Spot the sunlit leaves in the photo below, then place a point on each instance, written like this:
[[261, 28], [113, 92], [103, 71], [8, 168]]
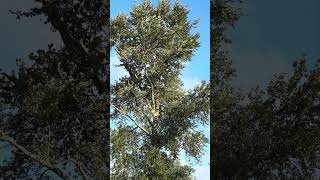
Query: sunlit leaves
[[153, 44]]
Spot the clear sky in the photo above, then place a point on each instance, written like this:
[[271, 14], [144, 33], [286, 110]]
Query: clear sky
[[270, 36], [19, 38], [195, 71]]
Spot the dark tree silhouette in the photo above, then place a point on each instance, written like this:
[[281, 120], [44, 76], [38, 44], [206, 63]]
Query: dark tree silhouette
[[275, 135], [224, 14], [54, 111], [270, 134]]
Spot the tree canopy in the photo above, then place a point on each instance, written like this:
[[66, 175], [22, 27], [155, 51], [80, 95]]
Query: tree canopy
[[155, 118]]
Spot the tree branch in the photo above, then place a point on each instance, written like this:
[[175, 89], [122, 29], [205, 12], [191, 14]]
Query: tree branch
[[155, 104], [69, 41], [35, 157], [141, 117], [124, 113]]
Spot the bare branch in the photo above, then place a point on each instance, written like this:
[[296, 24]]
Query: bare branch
[[124, 113], [35, 157], [140, 116]]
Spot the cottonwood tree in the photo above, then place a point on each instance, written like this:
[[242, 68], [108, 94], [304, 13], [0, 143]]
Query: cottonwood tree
[[155, 118], [54, 111]]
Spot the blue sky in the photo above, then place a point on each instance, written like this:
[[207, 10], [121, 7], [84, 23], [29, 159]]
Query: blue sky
[[196, 70]]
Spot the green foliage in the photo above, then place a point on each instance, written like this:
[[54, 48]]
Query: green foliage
[[153, 44]]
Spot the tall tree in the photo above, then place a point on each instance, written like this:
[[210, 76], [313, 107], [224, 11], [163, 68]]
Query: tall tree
[[155, 117], [55, 110]]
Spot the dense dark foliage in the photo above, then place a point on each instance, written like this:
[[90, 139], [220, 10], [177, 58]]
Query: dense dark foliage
[[266, 134], [55, 109], [275, 134], [223, 14]]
